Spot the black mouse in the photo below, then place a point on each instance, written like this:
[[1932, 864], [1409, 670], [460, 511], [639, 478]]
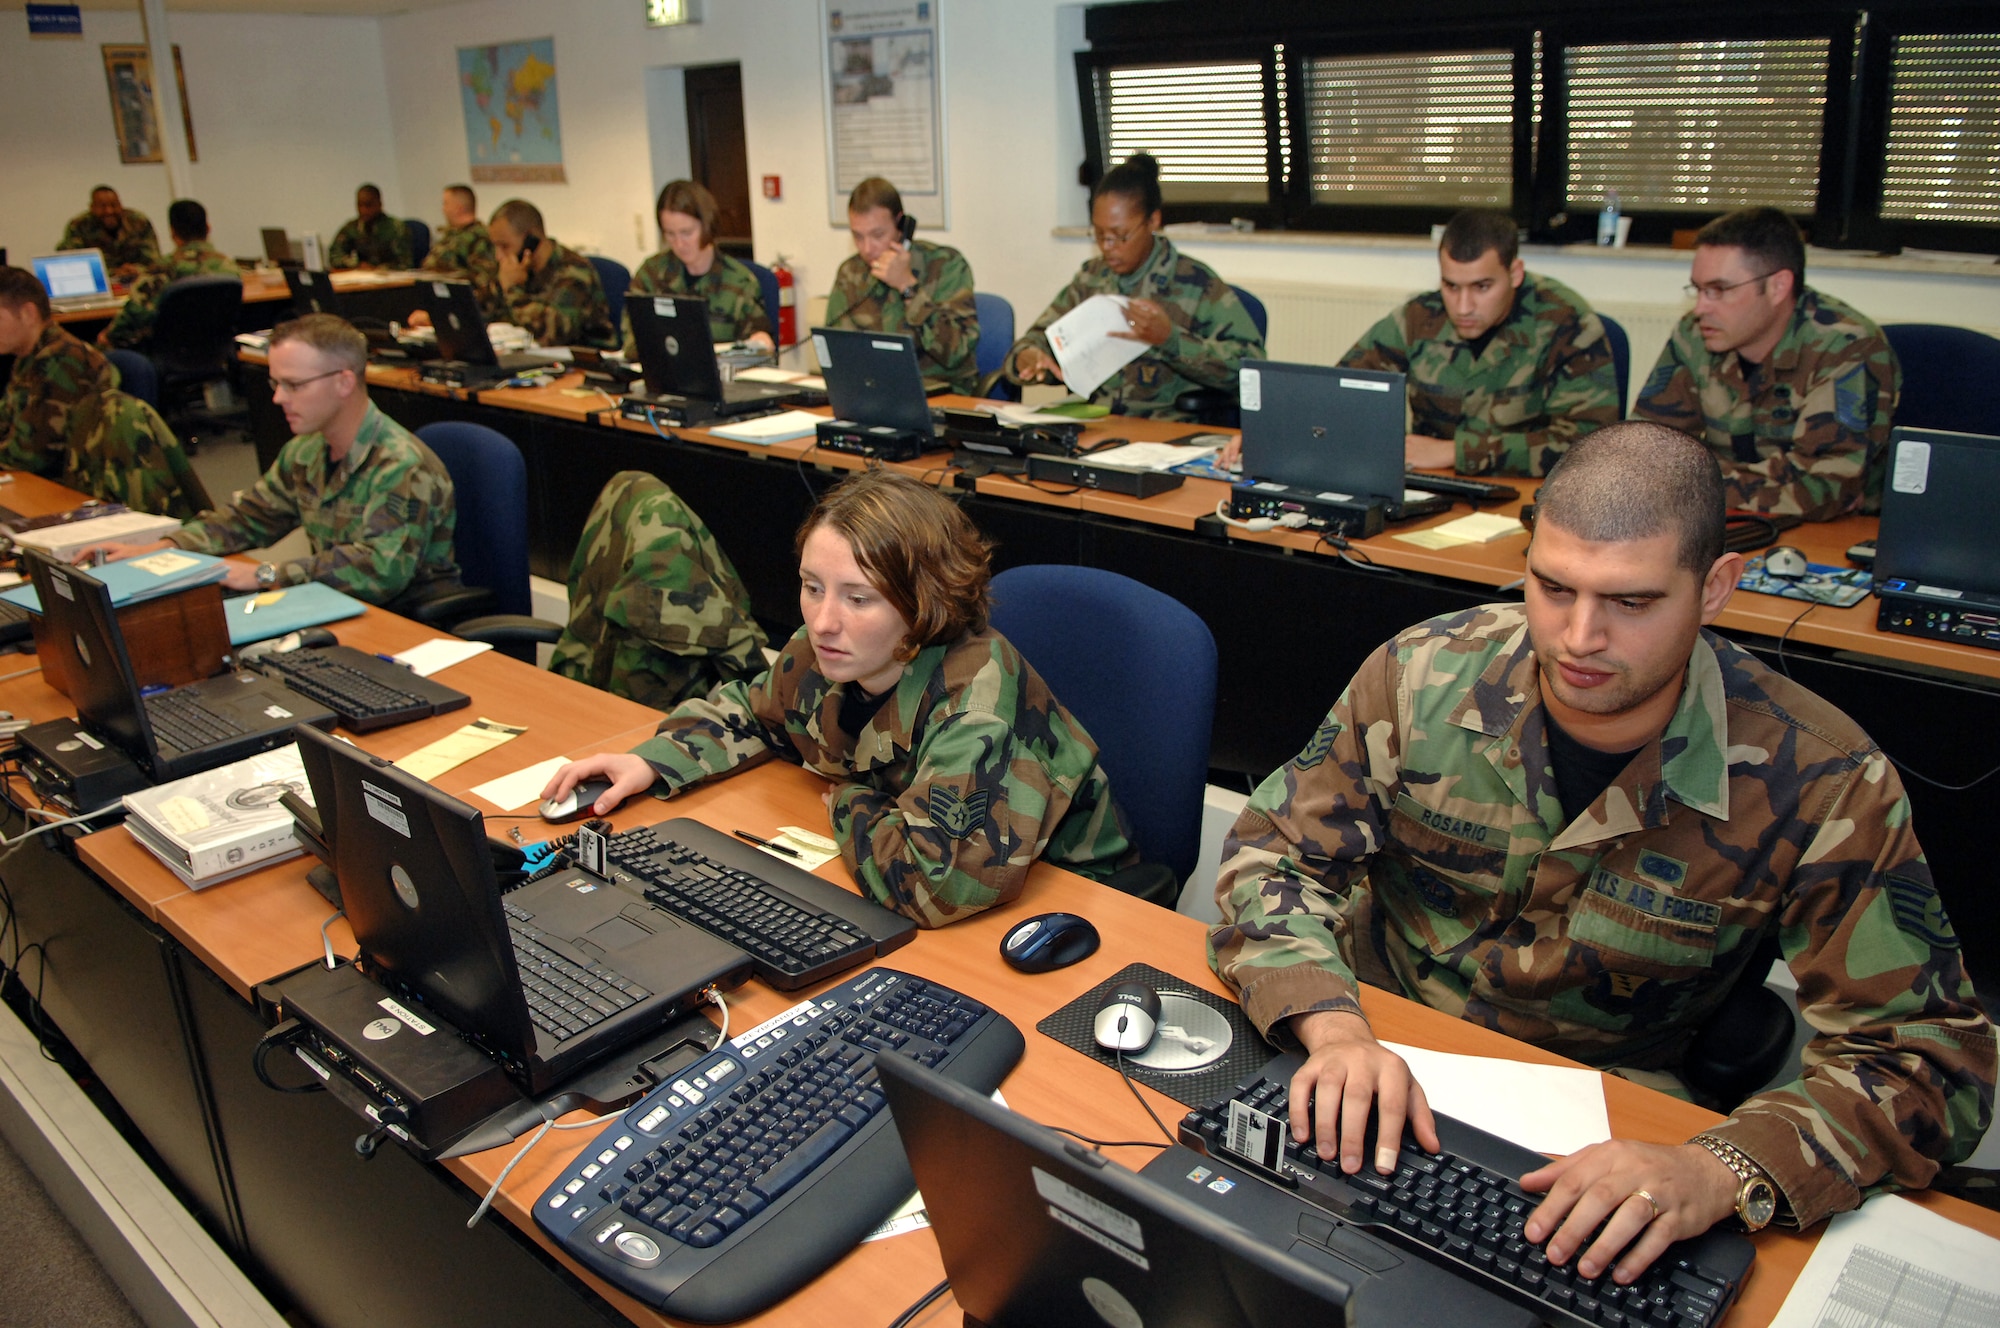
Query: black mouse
[[1049, 941], [312, 638], [1785, 562]]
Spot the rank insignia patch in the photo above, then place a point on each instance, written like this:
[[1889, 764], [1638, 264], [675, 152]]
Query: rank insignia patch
[[957, 816]]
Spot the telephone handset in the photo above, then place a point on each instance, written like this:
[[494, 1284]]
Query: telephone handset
[[906, 226], [528, 246]]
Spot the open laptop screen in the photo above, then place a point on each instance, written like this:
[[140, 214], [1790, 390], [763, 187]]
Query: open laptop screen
[[73, 273], [82, 626], [675, 353], [461, 327]]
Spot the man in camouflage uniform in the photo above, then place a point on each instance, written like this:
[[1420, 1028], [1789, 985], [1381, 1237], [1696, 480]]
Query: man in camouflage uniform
[[549, 288], [373, 238], [193, 256], [124, 234], [463, 248], [1571, 821], [126, 454], [1792, 390], [55, 379], [657, 612], [1505, 369], [909, 286], [375, 503]]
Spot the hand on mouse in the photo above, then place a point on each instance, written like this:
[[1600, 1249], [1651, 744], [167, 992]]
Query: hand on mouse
[[628, 774], [1347, 1071]]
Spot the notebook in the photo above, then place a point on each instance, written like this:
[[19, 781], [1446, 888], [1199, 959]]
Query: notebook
[[287, 609], [461, 330], [1330, 430], [76, 279], [678, 359], [873, 380]]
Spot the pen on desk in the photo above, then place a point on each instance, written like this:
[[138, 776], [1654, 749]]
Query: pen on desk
[[249, 606], [747, 837]]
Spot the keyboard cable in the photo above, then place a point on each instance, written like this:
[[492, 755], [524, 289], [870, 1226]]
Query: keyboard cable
[[923, 1302]]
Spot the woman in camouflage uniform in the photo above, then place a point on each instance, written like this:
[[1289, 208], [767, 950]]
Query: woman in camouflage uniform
[[691, 265], [953, 767]]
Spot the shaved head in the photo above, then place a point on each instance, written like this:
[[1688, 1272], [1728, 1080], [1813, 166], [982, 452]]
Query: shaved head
[[1636, 480]]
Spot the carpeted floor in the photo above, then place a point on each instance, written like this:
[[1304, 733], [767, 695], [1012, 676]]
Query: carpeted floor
[[48, 1276]]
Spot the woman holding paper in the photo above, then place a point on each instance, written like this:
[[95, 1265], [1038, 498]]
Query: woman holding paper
[[1194, 330], [953, 767]]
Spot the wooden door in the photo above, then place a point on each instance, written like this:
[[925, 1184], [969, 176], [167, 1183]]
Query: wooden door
[[717, 148]]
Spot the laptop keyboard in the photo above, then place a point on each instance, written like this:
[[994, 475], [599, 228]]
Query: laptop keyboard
[[180, 721], [564, 997]]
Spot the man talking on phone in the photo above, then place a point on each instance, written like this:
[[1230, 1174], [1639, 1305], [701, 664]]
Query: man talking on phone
[[897, 283], [549, 288]]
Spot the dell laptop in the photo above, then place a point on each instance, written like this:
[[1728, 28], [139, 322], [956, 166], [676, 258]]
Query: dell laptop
[[872, 380], [463, 346], [678, 357], [1937, 563], [279, 248], [313, 293], [1330, 431], [170, 734], [75, 279], [549, 979]]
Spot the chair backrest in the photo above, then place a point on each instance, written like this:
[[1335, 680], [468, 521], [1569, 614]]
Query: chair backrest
[[767, 282], [1255, 307], [126, 454], [1137, 668], [195, 329], [1949, 375], [617, 279], [136, 375], [996, 331], [420, 240], [490, 483], [1621, 360]]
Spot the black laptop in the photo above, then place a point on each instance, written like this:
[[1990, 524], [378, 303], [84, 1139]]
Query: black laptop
[[1937, 563], [313, 293], [173, 733], [1330, 431], [550, 978], [463, 346], [678, 359], [873, 379]]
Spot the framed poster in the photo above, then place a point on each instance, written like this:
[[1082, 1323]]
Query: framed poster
[[884, 103], [513, 129], [128, 72]]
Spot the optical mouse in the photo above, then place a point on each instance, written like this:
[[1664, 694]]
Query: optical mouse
[[577, 802], [1127, 1019], [1785, 562], [312, 638], [1049, 941]]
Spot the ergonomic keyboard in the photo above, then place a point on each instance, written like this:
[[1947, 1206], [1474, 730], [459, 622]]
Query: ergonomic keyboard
[[796, 928], [363, 691], [764, 1162], [564, 997], [1473, 491], [182, 722], [1464, 1209]]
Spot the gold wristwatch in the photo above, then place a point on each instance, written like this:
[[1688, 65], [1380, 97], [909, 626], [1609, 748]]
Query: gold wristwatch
[[1756, 1197]]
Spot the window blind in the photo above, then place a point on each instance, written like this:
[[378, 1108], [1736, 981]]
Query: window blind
[[1412, 129], [1205, 124], [1943, 156]]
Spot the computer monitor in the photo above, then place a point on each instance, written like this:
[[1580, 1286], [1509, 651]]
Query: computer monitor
[[1937, 511], [278, 247], [873, 379], [73, 274], [1328, 429]]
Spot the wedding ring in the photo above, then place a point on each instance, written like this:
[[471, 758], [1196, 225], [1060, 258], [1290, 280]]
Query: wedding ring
[[1651, 1202]]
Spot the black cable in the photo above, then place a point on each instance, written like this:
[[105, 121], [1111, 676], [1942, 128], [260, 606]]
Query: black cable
[[281, 1035], [1140, 1099], [1352, 556], [1786, 636], [923, 1302], [1109, 1143], [1027, 483]]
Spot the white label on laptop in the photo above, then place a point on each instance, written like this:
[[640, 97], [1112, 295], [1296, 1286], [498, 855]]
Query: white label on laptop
[[1097, 1237], [1332, 497], [886, 345], [1365, 384], [1939, 591], [1913, 467], [415, 1024], [1250, 388], [1255, 1136], [61, 583], [85, 738], [441, 290], [383, 812], [1091, 1209], [664, 308], [820, 351]]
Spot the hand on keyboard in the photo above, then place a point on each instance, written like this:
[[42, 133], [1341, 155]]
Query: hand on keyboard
[[1601, 1184], [1346, 1074]]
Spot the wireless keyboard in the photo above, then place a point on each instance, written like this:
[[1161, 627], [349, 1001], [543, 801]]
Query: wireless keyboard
[[1465, 1209], [364, 692], [750, 1174]]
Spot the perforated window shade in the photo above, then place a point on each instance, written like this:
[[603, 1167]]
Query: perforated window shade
[[1204, 123], [1943, 156], [1403, 130], [1697, 125]]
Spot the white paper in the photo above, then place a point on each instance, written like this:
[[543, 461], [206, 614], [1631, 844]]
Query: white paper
[[779, 428], [439, 653], [1149, 456], [1013, 412], [1085, 348], [1914, 1269], [513, 792], [1549, 1108]]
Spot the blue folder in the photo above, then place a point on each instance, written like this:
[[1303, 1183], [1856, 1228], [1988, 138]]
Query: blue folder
[[295, 607]]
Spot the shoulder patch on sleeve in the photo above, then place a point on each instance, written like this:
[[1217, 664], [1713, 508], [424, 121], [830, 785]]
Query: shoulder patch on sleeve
[[958, 816], [1321, 744], [1920, 912], [1850, 399]]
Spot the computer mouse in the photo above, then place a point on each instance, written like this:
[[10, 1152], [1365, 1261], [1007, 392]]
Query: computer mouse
[[577, 802], [1785, 562], [312, 638], [1127, 1019], [1049, 941]]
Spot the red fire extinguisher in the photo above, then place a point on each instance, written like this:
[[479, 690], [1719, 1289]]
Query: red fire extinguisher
[[788, 310]]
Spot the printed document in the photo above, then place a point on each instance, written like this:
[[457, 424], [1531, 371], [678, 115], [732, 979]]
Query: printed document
[[1092, 342]]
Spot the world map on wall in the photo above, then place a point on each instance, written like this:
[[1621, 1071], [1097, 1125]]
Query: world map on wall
[[513, 131]]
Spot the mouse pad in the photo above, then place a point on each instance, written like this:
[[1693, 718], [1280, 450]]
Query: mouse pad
[[1822, 584], [1202, 1013]]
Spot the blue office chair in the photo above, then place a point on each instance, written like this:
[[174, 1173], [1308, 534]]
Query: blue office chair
[[1948, 377], [490, 481], [1255, 308], [1621, 359], [1137, 668], [617, 279], [767, 282], [420, 240], [136, 377], [1213, 406], [996, 331]]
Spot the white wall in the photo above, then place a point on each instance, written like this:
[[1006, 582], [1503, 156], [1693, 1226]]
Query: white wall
[[290, 113]]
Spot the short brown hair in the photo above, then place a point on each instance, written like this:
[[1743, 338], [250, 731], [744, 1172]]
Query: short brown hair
[[464, 194], [18, 286], [1635, 480], [1471, 234], [331, 335], [1769, 237], [875, 192], [523, 217], [917, 547], [690, 199]]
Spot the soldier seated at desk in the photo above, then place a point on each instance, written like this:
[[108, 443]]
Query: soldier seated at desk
[[125, 235], [549, 288], [193, 256], [44, 411], [1571, 821], [691, 265], [894, 282]]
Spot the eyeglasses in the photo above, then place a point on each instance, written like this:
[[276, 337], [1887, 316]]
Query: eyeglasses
[[294, 384], [1715, 290], [1115, 239]]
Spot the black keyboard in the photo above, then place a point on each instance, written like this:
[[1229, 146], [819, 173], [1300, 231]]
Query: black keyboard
[[565, 997], [1473, 491], [181, 722], [721, 1193], [1464, 1209], [796, 928], [364, 692], [16, 623]]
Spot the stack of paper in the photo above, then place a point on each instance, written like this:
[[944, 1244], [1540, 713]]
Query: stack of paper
[[137, 579], [1094, 341], [779, 428], [769, 373], [1479, 528], [63, 542]]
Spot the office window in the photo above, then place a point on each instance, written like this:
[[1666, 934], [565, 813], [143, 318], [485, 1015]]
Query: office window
[[1205, 124], [1943, 157], [1432, 129], [1697, 125]]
